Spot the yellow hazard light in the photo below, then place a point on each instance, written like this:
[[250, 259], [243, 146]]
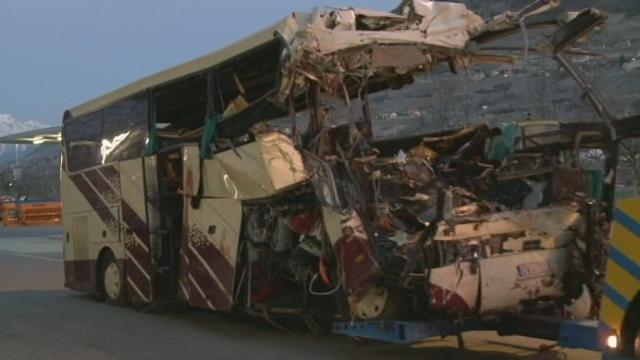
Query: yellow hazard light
[[612, 341]]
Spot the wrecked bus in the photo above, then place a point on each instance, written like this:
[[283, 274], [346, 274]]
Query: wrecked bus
[[250, 178]]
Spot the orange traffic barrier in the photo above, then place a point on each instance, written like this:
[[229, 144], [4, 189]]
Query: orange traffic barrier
[[40, 213], [28, 214], [10, 215]]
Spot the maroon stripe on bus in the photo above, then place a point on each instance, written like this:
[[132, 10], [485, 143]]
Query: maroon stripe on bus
[[103, 187], [135, 223], [219, 299], [215, 294], [111, 174], [133, 296], [218, 263], [195, 297], [139, 254], [183, 276], [138, 278], [79, 275], [129, 216], [94, 199]]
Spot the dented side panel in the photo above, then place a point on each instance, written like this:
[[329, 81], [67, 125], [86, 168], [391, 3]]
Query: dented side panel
[[454, 288], [547, 224], [507, 280], [256, 170]]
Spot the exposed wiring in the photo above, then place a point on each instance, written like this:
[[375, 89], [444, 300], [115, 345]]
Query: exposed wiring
[[331, 292]]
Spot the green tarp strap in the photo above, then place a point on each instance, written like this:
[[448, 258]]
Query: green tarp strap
[[504, 144], [595, 184], [152, 145], [210, 133]]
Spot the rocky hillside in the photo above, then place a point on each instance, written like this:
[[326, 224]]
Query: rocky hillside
[[538, 89]]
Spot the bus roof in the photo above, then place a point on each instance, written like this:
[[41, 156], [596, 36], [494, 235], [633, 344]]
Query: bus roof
[[179, 71]]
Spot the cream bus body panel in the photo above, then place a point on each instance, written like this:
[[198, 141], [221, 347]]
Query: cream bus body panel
[[105, 209], [88, 230], [137, 237], [257, 170]]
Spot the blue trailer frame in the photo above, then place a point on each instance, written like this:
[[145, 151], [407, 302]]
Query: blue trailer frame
[[574, 334]]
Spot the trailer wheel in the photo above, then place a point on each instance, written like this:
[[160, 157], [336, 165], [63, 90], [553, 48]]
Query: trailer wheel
[[380, 303], [113, 282]]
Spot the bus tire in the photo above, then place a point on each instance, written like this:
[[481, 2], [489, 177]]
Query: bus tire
[[630, 335], [113, 281]]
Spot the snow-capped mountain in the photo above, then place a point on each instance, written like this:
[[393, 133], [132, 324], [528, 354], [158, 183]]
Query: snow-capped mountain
[[9, 125]]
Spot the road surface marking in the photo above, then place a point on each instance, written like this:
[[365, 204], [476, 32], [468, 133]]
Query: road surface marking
[[44, 258]]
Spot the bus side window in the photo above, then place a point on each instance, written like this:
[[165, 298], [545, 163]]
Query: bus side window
[[83, 155], [125, 130], [83, 140]]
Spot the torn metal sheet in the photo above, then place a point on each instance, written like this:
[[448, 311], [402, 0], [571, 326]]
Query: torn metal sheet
[[509, 279], [261, 169], [408, 57], [550, 225], [320, 39]]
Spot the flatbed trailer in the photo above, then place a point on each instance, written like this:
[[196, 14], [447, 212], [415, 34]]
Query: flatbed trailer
[[574, 334]]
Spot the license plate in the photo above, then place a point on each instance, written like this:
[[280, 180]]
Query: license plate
[[535, 269]]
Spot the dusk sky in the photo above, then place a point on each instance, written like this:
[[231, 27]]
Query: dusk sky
[[57, 54]]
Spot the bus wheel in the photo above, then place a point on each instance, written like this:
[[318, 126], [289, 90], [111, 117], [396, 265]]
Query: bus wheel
[[113, 284]]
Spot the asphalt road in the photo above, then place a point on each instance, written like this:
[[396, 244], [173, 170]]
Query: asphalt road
[[41, 320]]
